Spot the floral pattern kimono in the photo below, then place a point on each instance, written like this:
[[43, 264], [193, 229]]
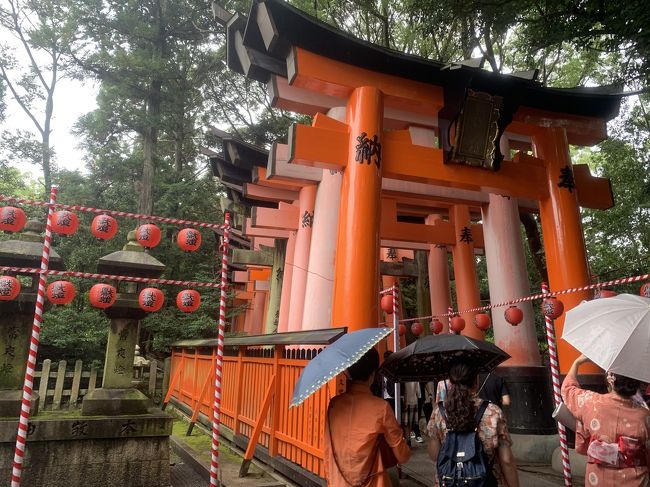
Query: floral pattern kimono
[[614, 432]]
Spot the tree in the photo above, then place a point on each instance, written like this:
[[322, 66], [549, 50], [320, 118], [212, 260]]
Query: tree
[[41, 29]]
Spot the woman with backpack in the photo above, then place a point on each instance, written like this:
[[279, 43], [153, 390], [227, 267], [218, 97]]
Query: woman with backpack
[[469, 439]]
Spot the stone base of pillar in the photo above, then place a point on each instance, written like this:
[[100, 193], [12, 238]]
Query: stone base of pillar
[[77, 451], [538, 449], [114, 402], [10, 402], [531, 400]]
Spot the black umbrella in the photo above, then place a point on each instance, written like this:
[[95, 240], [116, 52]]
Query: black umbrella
[[428, 358]]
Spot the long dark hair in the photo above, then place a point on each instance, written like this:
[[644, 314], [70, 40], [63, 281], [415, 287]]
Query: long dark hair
[[459, 403]]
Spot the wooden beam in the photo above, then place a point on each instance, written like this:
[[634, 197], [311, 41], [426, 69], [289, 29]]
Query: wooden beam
[[580, 130], [284, 218], [256, 275], [279, 168], [260, 176], [252, 231], [398, 269], [593, 191], [318, 147], [240, 276], [265, 193], [252, 257]]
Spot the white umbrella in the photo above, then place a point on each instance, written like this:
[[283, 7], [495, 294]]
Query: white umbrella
[[614, 333]]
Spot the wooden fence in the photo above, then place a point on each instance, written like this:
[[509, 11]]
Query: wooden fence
[[63, 387], [250, 376]]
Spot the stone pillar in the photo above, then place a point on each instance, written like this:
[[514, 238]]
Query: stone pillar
[[566, 257], [439, 278], [275, 286], [301, 257], [117, 396], [467, 290], [317, 312], [17, 316], [356, 274]]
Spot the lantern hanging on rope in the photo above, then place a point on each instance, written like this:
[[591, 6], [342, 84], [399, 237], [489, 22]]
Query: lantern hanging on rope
[[102, 296], [64, 222], [12, 219], [457, 324], [386, 303], [104, 227], [61, 292], [436, 326], [188, 300], [148, 235], [552, 308], [9, 288], [645, 290], [513, 315], [189, 239], [482, 321], [417, 329], [151, 299], [402, 329]]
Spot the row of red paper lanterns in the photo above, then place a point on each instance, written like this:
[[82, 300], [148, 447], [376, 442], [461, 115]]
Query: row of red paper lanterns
[[103, 295], [551, 308], [104, 227]]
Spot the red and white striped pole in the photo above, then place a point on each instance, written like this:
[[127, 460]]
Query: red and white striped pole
[[450, 311], [215, 479], [397, 391], [28, 383], [557, 396]]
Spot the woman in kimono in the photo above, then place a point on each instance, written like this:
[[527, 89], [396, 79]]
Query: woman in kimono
[[615, 430]]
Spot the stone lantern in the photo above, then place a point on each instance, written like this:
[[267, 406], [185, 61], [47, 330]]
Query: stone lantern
[[17, 316], [117, 396]]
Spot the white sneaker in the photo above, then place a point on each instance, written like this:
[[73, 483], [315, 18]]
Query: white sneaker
[[412, 434], [419, 439]]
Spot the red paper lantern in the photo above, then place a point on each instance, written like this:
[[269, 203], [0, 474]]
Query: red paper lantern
[[151, 299], [61, 292], [12, 219], [645, 290], [417, 329], [9, 288], [552, 308], [514, 315], [457, 324], [148, 235], [188, 300], [189, 239], [386, 303], [64, 222], [102, 296], [482, 321], [401, 329], [104, 227], [436, 326]]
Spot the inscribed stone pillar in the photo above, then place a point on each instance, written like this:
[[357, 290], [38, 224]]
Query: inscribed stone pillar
[[467, 290], [566, 257], [508, 279], [317, 312], [120, 350], [275, 286], [356, 274], [17, 316]]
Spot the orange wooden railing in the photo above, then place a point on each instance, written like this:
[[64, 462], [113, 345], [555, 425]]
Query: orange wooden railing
[[295, 434]]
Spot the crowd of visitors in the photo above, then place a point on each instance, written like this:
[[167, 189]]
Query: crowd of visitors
[[465, 413]]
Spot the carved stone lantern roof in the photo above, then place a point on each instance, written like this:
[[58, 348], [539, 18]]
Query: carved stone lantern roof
[[27, 249], [132, 260]]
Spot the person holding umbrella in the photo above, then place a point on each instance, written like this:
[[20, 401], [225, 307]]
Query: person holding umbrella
[[359, 428], [616, 427]]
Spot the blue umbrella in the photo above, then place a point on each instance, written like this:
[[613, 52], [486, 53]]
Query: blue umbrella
[[335, 359]]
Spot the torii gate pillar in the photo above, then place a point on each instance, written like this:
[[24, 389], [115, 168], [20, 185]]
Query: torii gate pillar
[[356, 274], [566, 257], [467, 290], [439, 278]]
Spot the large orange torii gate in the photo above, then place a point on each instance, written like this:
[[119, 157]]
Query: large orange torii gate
[[311, 68]]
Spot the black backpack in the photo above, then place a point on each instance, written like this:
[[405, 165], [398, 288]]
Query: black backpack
[[462, 460]]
